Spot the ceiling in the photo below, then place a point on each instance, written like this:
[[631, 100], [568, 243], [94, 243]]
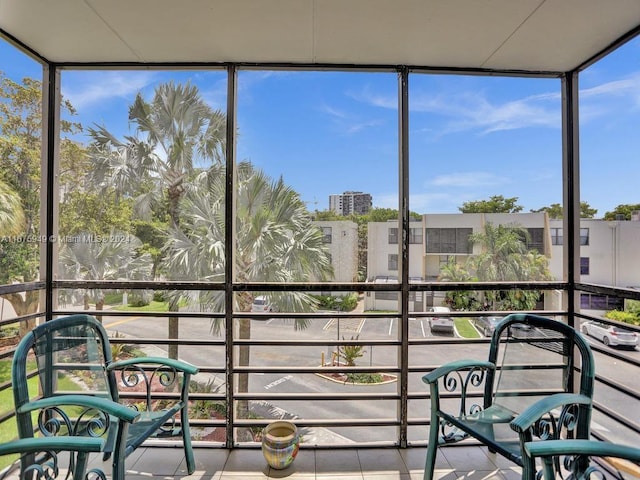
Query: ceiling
[[528, 35]]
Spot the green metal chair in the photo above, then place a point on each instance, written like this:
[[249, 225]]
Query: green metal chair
[[584, 459], [73, 355], [524, 391], [47, 462]]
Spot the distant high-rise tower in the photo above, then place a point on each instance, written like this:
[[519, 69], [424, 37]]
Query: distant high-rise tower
[[350, 202]]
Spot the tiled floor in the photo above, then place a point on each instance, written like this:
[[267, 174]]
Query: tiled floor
[[154, 463]]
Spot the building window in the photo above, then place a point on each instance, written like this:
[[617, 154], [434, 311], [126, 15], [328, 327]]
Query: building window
[[415, 235], [591, 301], [584, 265], [393, 236], [448, 240], [556, 236], [393, 261], [326, 234], [536, 239], [584, 236]]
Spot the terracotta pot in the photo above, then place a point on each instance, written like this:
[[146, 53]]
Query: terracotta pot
[[280, 444]]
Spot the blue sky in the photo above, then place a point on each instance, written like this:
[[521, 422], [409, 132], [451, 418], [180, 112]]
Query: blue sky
[[470, 137]]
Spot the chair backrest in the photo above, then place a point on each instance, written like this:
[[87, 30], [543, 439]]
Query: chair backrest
[[69, 354], [535, 357]]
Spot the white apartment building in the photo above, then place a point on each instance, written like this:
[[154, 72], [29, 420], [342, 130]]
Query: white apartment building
[[432, 243], [609, 255], [609, 252], [341, 238], [350, 202]]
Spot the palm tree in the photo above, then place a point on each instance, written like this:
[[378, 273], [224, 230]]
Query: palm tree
[[458, 299], [12, 220], [505, 258], [275, 241], [176, 133], [89, 257]]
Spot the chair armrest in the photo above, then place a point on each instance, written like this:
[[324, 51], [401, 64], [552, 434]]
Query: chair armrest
[[458, 365], [43, 444], [622, 458], [582, 447], [167, 362], [537, 411], [112, 408]]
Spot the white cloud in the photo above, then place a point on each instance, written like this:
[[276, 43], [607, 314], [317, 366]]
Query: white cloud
[[89, 88], [348, 122], [468, 111], [623, 87]]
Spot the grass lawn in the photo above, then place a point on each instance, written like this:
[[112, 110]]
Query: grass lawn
[[9, 429], [465, 329], [152, 307]]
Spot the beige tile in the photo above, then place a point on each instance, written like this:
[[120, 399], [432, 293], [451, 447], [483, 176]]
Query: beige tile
[[385, 476], [481, 475], [249, 462], [209, 464], [341, 462], [203, 475], [415, 459], [157, 461], [243, 476], [339, 477], [382, 460], [468, 458]]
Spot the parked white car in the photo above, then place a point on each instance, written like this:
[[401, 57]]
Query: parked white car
[[261, 305], [441, 323], [610, 334]]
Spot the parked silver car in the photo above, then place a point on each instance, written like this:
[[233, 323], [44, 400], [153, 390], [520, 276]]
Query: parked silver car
[[486, 325], [441, 323], [610, 334]]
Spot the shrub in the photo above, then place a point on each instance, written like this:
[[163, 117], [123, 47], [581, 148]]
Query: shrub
[[364, 377], [350, 353], [159, 297], [625, 317], [349, 302], [137, 301], [345, 303]]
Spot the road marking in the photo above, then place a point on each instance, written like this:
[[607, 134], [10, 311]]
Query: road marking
[[278, 382], [346, 324], [120, 322]]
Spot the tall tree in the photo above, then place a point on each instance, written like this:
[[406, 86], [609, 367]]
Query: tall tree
[[11, 213], [176, 132], [505, 258], [275, 241], [453, 271], [556, 211], [115, 256], [20, 159], [623, 211], [495, 204]]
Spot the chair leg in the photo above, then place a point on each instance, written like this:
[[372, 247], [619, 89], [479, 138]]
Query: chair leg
[[186, 440], [432, 448], [81, 465]]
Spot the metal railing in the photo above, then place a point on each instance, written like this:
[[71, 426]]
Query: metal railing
[[344, 414]]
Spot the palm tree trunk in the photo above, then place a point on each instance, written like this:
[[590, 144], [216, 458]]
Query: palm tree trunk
[[174, 329], [100, 306], [244, 357]]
